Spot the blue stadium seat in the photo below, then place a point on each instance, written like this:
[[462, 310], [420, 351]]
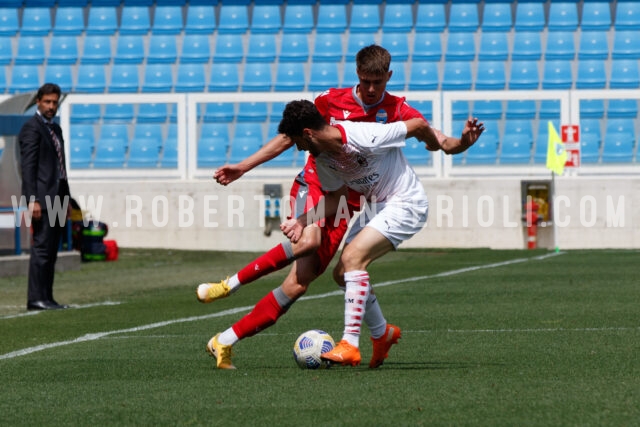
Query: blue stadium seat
[[143, 153], [530, 17], [81, 153], [228, 48], [524, 75], [162, 49], [119, 132], [627, 16], [516, 149], [430, 17], [243, 147], [85, 113], [234, 19], [294, 47], [621, 108], [102, 20], [148, 131], [397, 44], [134, 20], [463, 17], [592, 108], [8, 21], [591, 75], [96, 50], [167, 19], [625, 45], [219, 112], [290, 76], [521, 109], [24, 78], [157, 78], [124, 78], [460, 47], [224, 77], [118, 113], [487, 110], [427, 46], [424, 107], [36, 21], [3, 79], [397, 17], [460, 111], [549, 109], [257, 77], [251, 130], [591, 127], [624, 74], [195, 49], [596, 16], [327, 47], [262, 48], [110, 153], [349, 75], [275, 115], [6, 50], [266, 19], [356, 42], [169, 157], [423, 76], [593, 45], [91, 78], [323, 75], [589, 148], [364, 18], [190, 78], [286, 159], [619, 126], [69, 20], [60, 74], [493, 46], [30, 50], [129, 50], [490, 75], [563, 16], [483, 152], [62, 50], [560, 45], [557, 75], [214, 131], [212, 152], [526, 46], [152, 113], [497, 17], [298, 18], [415, 152], [332, 18], [200, 19], [457, 76], [398, 79], [618, 147], [252, 112]]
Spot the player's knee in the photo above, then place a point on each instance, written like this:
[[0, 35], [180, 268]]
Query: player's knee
[[293, 289]]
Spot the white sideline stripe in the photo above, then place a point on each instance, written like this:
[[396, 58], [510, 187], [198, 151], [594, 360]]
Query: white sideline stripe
[[99, 335], [33, 313]]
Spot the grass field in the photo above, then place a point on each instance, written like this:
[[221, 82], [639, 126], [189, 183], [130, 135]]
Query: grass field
[[493, 338]]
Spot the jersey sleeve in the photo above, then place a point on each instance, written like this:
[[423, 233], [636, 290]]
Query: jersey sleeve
[[375, 136]]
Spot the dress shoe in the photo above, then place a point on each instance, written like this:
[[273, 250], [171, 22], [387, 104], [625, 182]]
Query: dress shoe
[[60, 306], [43, 305]]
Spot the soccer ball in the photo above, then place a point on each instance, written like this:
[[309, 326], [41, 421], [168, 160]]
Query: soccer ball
[[308, 348]]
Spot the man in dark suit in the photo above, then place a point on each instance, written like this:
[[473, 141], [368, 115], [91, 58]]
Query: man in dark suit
[[44, 184]]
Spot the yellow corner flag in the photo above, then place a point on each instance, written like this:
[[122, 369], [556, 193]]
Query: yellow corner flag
[[556, 155]]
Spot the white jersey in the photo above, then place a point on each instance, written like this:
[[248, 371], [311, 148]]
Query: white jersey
[[371, 163]]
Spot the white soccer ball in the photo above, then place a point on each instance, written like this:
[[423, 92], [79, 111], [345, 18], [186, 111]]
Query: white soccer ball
[[309, 346]]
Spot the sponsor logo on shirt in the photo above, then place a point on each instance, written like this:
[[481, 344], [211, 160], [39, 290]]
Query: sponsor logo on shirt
[[346, 113]]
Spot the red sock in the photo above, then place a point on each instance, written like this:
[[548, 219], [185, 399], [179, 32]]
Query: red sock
[[265, 313], [271, 261]]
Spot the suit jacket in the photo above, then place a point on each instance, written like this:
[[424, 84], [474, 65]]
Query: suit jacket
[[39, 161]]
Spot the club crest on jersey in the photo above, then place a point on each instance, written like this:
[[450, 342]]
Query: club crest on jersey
[[381, 116], [362, 161]]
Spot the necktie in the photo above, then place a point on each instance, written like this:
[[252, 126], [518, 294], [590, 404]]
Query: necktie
[[56, 142]]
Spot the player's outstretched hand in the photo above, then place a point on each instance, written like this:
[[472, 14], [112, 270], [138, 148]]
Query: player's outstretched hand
[[471, 132], [292, 229], [227, 174]]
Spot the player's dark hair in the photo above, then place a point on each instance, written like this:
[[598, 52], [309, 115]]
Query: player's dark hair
[[47, 89], [373, 60], [299, 115]]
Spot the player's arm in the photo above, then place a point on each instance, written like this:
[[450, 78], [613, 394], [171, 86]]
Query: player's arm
[[328, 206], [228, 173], [421, 130]]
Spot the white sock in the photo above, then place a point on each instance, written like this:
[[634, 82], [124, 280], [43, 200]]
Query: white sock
[[355, 300], [374, 318], [234, 283], [228, 337]]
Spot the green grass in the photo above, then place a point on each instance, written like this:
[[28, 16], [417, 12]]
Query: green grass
[[550, 341]]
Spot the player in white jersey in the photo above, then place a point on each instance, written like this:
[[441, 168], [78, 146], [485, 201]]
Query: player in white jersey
[[367, 158]]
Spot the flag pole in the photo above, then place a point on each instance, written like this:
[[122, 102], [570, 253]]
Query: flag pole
[[553, 211]]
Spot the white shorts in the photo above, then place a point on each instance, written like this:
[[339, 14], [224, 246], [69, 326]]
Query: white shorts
[[396, 220]]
